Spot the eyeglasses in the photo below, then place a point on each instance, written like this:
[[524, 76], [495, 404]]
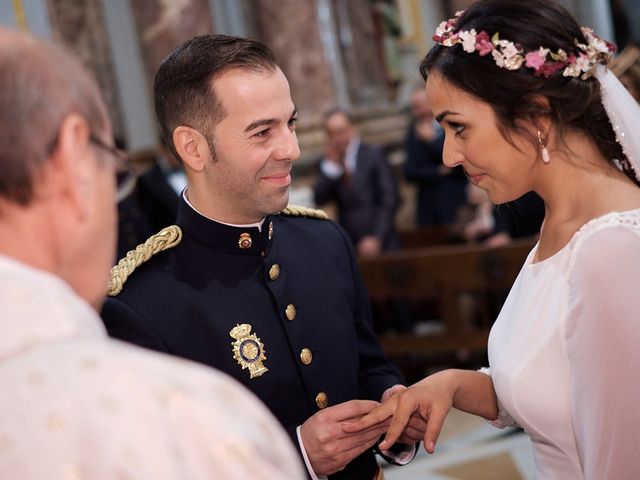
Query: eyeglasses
[[125, 176]]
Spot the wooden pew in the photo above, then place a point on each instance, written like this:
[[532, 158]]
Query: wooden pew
[[443, 273], [425, 237]]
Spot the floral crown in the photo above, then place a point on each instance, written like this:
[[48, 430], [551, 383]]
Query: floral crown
[[543, 61]]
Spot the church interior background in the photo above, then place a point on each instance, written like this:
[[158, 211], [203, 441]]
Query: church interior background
[[359, 55]]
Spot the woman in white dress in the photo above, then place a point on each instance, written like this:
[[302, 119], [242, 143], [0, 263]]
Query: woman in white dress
[[527, 103]]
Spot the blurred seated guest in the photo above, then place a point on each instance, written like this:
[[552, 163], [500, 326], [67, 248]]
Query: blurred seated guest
[[519, 218], [480, 223], [76, 404], [441, 190], [496, 225], [358, 178], [152, 203]]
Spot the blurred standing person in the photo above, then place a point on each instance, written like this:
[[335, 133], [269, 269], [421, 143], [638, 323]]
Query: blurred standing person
[[358, 178], [441, 189], [153, 202], [75, 403]]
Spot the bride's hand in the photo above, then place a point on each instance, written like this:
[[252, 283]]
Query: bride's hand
[[431, 399]]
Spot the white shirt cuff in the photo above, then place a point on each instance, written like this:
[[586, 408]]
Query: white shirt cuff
[[307, 463]]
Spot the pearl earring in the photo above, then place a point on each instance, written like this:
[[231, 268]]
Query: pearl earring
[[543, 149]]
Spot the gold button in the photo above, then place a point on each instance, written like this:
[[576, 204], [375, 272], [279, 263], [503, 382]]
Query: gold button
[[321, 400], [274, 271], [306, 356], [290, 312]]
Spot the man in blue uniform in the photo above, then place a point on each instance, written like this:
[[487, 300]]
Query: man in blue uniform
[[273, 299]]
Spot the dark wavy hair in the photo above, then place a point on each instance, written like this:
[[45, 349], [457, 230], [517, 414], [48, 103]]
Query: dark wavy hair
[[573, 104]]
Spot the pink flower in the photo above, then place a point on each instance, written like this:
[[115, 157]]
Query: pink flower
[[549, 69], [534, 60], [483, 43]]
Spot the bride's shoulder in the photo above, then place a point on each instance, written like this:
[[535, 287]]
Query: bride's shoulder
[[613, 230], [626, 218]]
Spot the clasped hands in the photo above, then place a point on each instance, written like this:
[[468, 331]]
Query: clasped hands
[[338, 434]]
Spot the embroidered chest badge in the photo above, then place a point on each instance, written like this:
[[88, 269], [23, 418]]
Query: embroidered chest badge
[[248, 350]]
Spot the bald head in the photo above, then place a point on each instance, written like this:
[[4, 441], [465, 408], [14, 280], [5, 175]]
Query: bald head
[[40, 84], [340, 130]]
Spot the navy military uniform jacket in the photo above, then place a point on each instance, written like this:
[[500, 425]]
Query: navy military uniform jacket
[[296, 285]]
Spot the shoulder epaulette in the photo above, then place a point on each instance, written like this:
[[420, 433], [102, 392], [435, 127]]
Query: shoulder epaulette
[[298, 211], [166, 238]]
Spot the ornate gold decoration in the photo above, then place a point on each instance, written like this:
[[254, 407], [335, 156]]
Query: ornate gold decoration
[[248, 350], [244, 241], [297, 211], [166, 238], [270, 230]]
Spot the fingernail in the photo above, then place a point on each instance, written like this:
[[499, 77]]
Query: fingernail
[[432, 447]]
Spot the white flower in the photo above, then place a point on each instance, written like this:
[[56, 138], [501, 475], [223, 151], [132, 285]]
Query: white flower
[[514, 62], [595, 42], [508, 48], [468, 40], [571, 71], [442, 29], [543, 53], [583, 63], [498, 57], [600, 45], [561, 56]]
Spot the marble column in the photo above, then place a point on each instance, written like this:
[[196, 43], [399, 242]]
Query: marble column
[[164, 24], [362, 52], [290, 28], [79, 25]]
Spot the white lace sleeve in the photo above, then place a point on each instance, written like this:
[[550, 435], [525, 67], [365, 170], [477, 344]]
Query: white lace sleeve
[[504, 419], [603, 335]]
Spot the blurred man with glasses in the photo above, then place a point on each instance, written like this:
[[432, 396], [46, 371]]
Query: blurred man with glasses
[[76, 404]]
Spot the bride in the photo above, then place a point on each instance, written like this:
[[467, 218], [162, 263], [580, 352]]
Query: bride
[[527, 104]]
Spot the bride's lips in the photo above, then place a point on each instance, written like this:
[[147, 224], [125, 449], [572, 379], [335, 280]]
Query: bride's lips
[[474, 177]]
